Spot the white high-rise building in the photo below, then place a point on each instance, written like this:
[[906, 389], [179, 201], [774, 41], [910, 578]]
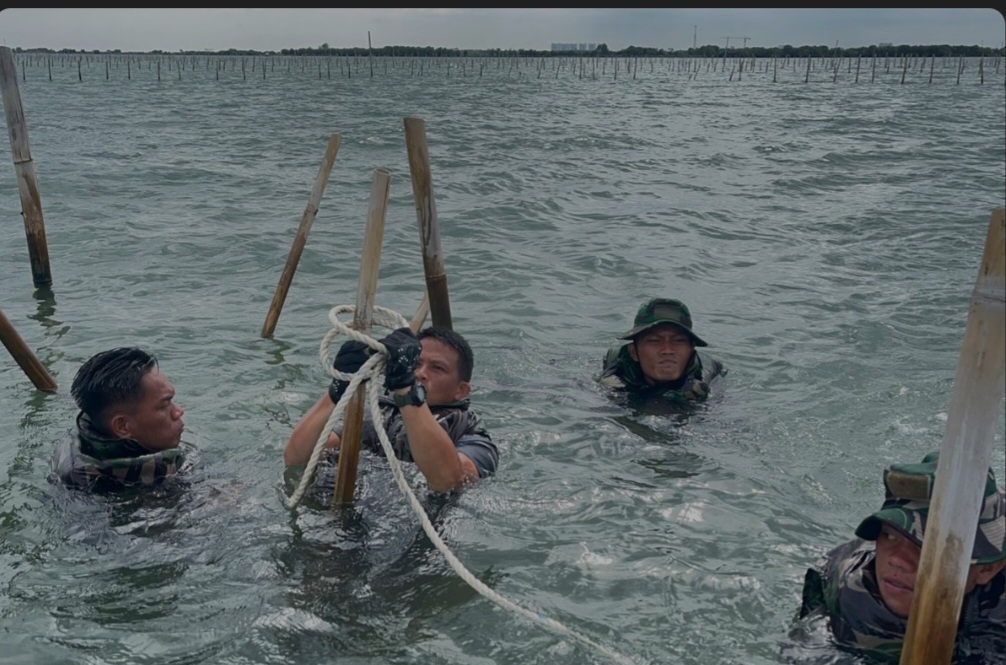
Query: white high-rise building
[[580, 46]]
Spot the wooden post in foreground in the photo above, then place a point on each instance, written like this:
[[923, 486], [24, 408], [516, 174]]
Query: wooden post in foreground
[[299, 240], [370, 263], [31, 201], [964, 461], [23, 355], [426, 212]]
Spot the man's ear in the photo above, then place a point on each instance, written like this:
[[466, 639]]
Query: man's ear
[[464, 389], [987, 571], [632, 351], [118, 426]]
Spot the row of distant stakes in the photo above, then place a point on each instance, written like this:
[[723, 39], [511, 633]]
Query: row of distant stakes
[[167, 67]]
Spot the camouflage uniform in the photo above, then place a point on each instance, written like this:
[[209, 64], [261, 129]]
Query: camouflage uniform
[[843, 586], [86, 459], [621, 372], [463, 425]]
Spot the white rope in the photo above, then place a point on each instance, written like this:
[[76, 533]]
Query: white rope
[[373, 370]]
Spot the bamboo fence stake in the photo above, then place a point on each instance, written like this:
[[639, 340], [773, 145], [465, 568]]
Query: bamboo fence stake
[[426, 213], [964, 461], [422, 311], [31, 200], [23, 355], [370, 263], [299, 240]]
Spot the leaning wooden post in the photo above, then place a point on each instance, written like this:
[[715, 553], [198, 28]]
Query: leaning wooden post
[[299, 240], [23, 355], [426, 212], [422, 311], [370, 263], [964, 461], [31, 201]]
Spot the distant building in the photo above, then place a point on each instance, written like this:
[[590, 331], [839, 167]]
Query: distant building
[[581, 46]]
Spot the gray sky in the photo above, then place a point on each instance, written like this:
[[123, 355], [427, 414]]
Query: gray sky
[[275, 29]]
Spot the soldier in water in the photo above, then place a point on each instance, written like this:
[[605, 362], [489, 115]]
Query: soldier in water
[[865, 587]]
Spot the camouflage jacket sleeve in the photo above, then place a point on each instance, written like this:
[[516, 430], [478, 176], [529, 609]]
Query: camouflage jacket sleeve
[[463, 425]]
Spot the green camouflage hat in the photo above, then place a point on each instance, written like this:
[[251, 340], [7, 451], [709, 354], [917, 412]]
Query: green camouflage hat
[[663, 310], [908, 489]]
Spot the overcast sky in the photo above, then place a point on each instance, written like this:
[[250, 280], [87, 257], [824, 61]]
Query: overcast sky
[[275, 29]]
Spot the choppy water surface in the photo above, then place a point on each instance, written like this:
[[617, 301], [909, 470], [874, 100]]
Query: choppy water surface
[[826, 237]]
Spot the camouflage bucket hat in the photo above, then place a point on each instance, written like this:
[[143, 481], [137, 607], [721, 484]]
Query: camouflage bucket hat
[[655, 311], [908, 489]]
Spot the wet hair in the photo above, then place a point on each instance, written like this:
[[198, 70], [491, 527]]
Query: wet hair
[[466, 359], [110, 378]]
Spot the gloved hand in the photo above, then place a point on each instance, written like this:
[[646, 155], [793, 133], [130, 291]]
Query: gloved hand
[[348, 360], [403, 355]]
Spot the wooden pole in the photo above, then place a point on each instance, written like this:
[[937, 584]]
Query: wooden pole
[[31, 201], [23, 355], [964, 461], [370, 262], [422, 311], [426, 212], [299, 240], [370, 55]]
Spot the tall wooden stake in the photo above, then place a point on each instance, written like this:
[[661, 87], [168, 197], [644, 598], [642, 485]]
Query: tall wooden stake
[[426, 212], [31, 201], [23, 355], [370, 263], [370, 55], [299, 240], [964, 461]]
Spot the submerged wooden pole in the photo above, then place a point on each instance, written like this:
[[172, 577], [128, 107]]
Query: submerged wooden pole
[[23, 355], [299, 240], [31, 201], [426, 212], [964, 461], [366, 286]]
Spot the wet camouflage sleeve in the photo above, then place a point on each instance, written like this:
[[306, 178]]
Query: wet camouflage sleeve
[[462, 425]]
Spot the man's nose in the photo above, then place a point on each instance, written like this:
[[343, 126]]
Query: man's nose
[[906, 555]]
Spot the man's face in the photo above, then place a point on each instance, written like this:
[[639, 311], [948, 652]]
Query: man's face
[[662, 352], [438, 372], [897, 565], [154, 420]]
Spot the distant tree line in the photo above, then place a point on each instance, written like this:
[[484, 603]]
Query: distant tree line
[[707, 51]]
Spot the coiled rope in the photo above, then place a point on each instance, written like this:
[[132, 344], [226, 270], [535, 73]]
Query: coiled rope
[[373, 370]]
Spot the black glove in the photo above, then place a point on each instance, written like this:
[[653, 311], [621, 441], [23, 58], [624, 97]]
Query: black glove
[[349, 360], [403, 355]]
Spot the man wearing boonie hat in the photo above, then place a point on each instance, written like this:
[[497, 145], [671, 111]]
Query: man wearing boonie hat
[[658, 355], [865, 587]]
